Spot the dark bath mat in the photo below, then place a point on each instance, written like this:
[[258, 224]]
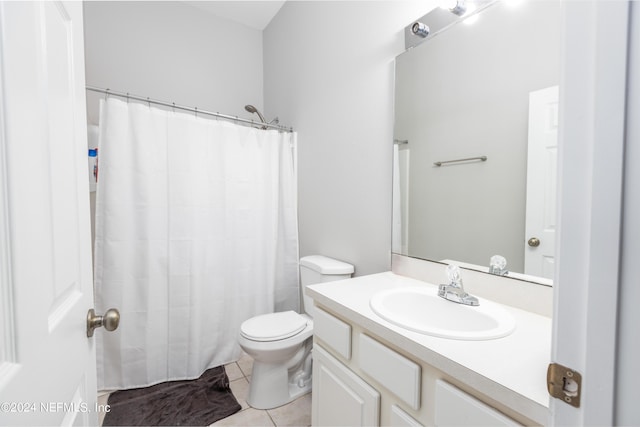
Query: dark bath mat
[[197, 402]]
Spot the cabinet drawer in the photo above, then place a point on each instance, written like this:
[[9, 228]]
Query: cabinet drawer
[[454, 407], [398, 374], [333, 331]]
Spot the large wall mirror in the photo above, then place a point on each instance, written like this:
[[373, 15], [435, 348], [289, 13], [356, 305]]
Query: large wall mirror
[[475, 141]]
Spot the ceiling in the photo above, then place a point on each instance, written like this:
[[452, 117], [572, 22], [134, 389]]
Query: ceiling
[[254, 14]]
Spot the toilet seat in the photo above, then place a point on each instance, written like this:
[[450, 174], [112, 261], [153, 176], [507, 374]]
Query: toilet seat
[[273, 326]]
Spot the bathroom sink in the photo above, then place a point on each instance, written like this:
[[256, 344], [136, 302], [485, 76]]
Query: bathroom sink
[[420, 309]]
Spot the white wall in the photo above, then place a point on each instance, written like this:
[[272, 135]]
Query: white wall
[[328, 70], [173, 52]]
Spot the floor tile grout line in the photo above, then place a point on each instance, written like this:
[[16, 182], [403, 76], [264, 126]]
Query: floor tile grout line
[[271, 418]]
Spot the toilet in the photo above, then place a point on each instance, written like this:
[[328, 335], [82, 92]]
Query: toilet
[[280, 343]]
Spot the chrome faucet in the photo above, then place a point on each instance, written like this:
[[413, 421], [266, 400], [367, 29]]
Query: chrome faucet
[[454, 291]]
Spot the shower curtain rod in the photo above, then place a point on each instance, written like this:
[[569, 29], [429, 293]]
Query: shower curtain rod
[[190, 109]]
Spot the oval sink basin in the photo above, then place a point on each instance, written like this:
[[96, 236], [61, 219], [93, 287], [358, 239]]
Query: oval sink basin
[[420, 309]]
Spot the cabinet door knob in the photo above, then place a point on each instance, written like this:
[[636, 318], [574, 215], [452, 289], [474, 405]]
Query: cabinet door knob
[[534, 242]]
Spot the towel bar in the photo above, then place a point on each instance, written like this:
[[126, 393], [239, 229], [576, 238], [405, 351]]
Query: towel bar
[[481, 158]]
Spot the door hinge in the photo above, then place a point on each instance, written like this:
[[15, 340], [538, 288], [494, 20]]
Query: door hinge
[[564, 383]]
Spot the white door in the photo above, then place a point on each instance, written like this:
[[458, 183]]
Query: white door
[[591, 157], [47, 363], [540, 225]]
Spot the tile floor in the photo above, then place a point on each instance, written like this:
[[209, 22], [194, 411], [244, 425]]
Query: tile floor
[[296, 413]]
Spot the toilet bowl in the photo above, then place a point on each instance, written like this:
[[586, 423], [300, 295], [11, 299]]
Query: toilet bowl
[[281, 371], [281, 343]]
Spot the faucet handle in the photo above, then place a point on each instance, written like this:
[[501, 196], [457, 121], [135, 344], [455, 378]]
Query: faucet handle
[[497, 265], [453, 274]]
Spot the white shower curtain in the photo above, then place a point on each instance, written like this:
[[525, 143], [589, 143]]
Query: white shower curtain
[[396, 199], [196, 231]]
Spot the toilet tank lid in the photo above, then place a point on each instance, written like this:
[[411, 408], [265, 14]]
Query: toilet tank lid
[[326, 265]]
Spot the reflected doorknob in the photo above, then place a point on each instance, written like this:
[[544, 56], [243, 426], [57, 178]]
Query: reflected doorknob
[[534, 242], [110, 320]]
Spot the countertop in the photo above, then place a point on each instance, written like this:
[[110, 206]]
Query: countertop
[[511, 369]]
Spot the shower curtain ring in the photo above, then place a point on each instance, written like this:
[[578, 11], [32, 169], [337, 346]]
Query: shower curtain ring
[[195, 109], [106, 94], [127, 97], [148, 102], [174, 107]]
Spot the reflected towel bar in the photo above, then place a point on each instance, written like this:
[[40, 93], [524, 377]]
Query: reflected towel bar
[[400, 141], [481, 158]]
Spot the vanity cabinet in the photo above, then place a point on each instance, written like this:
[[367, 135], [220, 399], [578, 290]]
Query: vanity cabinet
[[360, 380]]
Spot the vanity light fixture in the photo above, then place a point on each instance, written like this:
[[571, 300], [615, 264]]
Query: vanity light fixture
[[420, 29], [457, 7]]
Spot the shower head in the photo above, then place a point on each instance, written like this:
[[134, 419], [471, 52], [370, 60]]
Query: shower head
[[254, 110]]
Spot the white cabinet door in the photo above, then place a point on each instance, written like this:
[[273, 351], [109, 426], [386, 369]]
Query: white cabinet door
[[340, 397], [47, 363], [400, 418]]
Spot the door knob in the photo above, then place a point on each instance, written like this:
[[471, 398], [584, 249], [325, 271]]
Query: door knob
[[534, 242], [110, 320]]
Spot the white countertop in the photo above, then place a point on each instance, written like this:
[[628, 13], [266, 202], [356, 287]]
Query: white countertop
[[511, 370]]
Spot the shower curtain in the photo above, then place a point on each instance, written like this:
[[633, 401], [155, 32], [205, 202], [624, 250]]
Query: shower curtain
[[396, 199], [196, 231]]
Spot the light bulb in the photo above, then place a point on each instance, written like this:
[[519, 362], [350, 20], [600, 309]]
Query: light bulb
[[448, 4], [457, 7], [470, 16]]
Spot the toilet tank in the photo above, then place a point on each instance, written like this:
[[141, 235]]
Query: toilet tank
[[318, 269]]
